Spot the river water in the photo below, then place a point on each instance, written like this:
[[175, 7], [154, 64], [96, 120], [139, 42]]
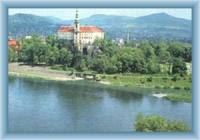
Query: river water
[[47, 106]]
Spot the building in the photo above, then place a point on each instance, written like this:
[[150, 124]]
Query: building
[[14, 44], [80, 36]]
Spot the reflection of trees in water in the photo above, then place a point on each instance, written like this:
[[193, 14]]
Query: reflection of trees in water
[[80, 101], [125, 96], [11, 79]]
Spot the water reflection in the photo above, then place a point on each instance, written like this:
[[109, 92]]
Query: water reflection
[[46, 106]]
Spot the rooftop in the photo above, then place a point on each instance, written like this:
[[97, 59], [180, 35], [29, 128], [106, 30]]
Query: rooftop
[[88, 29]]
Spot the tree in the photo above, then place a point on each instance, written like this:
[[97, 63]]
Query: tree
[[132, 59], [52, 40], [12, 55], [33, 51], [83, 65], [52, 55], [99, 63], [181, 50], [179, 66], [147, 50], [65, 57]]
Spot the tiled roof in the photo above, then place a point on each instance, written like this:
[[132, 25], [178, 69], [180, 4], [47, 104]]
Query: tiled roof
[[66, 29], [88, 29], [12, 42]]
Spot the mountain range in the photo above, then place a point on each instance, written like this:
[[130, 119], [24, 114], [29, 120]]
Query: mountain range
[[153, 26]]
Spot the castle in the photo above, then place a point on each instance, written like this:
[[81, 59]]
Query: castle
[[80, 36]]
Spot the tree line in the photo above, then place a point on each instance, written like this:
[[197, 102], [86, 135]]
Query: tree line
[[105, 56]]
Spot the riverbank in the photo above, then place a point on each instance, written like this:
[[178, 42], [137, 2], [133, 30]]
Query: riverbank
[[173, 88], [43, 72]]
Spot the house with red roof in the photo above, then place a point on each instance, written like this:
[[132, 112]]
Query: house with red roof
[[81, 36], [14, 44]]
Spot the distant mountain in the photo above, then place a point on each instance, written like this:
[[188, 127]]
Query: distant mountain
[[162, 19], [154, 26], [26, 24]]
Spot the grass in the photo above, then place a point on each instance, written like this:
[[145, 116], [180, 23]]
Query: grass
[[158, 81], [179, 88], [184, 97], [150, 81]]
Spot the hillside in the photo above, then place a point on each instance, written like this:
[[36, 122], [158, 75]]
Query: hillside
[[154, 26]]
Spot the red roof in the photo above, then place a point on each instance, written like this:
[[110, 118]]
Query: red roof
[[66, 29], [88, 29], [12, 42]]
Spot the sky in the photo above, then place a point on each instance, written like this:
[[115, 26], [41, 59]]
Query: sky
[[69, 13]]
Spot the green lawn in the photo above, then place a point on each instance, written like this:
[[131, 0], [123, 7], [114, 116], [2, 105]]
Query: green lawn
[[150, 81], [184, 97]]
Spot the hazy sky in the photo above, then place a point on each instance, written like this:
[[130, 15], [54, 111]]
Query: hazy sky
[[69, 13]]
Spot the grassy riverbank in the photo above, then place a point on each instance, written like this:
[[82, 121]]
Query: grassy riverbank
[[177, 88], [184, 97], [151, 81]]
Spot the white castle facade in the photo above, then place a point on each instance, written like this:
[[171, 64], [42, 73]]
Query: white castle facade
[[81, 36]]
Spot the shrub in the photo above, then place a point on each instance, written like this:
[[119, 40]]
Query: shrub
[[174, 78], [190, 79], [149, 79], [142, 81], [155, 123], [177, 87], [158, 87], [164, 78], [115, 77], [187, 88]]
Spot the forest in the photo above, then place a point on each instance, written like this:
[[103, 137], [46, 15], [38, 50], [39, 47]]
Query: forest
[[106, 56]]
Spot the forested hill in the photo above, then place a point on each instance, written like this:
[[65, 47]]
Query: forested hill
[[154, 26]]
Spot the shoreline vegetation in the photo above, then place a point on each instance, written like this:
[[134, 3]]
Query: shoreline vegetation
[[181, 86], [156, 123], [160, 65]]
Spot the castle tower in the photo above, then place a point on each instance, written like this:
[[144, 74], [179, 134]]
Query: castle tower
[[77, 32]]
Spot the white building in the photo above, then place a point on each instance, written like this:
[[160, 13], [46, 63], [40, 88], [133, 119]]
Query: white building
[[80, 35]]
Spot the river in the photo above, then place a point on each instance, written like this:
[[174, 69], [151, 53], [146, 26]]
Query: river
[[49, 106]]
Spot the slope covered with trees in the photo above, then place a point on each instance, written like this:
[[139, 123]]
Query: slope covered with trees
[[151, 27]]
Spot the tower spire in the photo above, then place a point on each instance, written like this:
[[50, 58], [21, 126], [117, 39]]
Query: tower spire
[[76, 32], [76, 14]]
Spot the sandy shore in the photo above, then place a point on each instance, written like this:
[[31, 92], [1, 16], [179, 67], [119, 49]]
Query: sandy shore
[[43, 72]]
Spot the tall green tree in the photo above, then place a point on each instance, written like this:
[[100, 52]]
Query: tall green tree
[[179, 66], [65, 57]]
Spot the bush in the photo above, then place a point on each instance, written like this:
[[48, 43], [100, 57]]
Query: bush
[[115, 77], [158, 87], [187, 88], [190, 79], [175, 78], [164, 78], [149, 79], [166, 87], [142, 81], [155, 123], [177, 87]]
